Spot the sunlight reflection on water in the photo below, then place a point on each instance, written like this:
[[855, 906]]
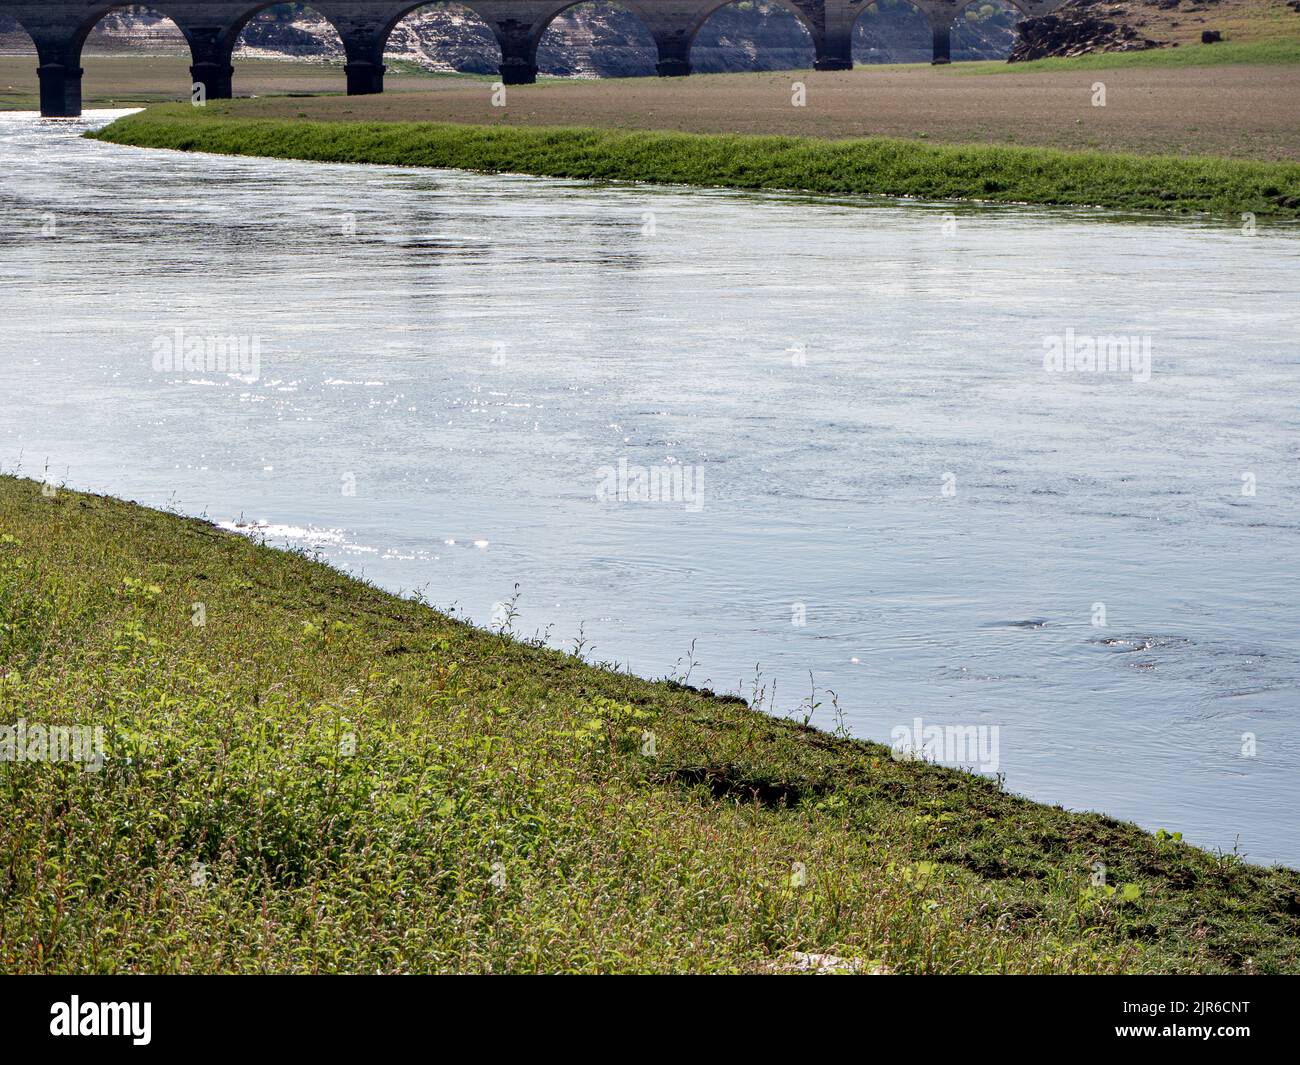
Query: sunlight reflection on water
[[446, 361]]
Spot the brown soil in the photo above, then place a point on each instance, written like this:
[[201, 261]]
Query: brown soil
[[123, 80], [1245, 111]]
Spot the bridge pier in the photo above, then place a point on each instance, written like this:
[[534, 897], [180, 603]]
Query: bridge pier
[[834, 52], [363, 46], [518, 43], [217, 79], [60, 90], [365, 77], [674, 54], [59, 28], [833, 38], [518, 70], [942, 41], [672, 67], [211, 50]]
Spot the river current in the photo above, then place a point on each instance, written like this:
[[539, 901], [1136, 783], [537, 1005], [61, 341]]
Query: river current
[[850, 446]]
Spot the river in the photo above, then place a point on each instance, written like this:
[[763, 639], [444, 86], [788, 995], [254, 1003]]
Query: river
[[860, 468]]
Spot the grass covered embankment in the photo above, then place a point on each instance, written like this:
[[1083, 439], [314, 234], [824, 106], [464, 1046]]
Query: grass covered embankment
[[325, 777], [1279, 51], [880, 166]]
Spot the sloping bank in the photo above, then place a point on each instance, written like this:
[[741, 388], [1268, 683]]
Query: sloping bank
[[1225, 187], [304, 773]]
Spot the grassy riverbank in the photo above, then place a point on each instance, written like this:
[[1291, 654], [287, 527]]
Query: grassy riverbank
[[324, 777], [881, 166]]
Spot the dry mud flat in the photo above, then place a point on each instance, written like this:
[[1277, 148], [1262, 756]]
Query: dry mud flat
[[120, 80], [1248, 111]]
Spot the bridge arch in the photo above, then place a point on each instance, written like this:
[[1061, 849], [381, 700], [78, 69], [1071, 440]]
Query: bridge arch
[[255, 12], [60, 71], [481, 28], [16, 40], [547, 52], [706, 14], [212, 27], [223, 49], [891, 31], [97, 14], [985, 24]]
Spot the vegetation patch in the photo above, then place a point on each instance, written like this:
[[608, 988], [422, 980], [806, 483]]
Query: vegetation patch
[[1272, 51], [871, 166], [302, 773]]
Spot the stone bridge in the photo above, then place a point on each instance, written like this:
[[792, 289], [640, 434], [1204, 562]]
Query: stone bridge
[[212, 27]]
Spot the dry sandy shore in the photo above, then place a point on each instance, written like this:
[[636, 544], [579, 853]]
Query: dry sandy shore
[[1249, 111]]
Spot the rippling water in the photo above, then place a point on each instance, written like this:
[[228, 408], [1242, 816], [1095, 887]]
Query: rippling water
[[446, 362]]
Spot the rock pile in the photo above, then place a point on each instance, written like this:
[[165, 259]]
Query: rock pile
[[1074, 30]]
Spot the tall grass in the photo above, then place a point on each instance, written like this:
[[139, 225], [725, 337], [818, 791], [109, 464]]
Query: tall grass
[[321, 777], [1271, 52], [1225, 187]]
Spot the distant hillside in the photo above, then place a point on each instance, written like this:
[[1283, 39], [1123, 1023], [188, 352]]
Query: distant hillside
[[1083, 26]]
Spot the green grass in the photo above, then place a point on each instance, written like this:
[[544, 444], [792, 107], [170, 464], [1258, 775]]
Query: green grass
[[396, 67], [1274, 51], [324, 777], [889, 167]]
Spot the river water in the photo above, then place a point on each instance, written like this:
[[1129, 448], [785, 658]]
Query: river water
[[860, 467]]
